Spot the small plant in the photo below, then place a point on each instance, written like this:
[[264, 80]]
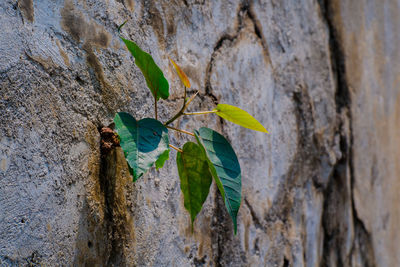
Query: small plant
[[145, 142]]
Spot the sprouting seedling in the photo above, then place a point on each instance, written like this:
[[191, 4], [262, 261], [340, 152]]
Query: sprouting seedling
[[210, 157]]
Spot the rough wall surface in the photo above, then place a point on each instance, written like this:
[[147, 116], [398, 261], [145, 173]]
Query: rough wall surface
[[320, 189], [369, 41]]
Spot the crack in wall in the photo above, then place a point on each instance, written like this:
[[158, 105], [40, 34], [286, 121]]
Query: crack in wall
[[222, 225], [343, 172], [113, 177], [245, 10], [27, 10], [253, 214]]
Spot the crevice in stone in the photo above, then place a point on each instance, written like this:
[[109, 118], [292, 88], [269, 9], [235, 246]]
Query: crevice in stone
[[222, 226], [286, 262], [336, 197], [26, 8], [220, 221], [254, 217], [110, 185], [245, 10], [219, 230], [106, 188], [185, 2], [364, 244], [259, 32], [198, 262], [109, 140], [302, 105], [47, 65], [340, 191]]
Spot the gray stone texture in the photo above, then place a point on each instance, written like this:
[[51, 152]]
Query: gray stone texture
[[320, 190]]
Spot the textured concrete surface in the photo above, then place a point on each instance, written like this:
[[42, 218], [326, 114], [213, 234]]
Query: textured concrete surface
[[320, 190], [371, 66]]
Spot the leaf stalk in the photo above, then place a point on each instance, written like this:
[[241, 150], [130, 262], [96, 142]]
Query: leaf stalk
[[201, 112], [179, 130], [155, 106], [177, 149]]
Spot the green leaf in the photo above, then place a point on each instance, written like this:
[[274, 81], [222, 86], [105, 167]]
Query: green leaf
[[224, 167], [155, 79], [162, 159], [143, 142], [239, 116], [195, 177]]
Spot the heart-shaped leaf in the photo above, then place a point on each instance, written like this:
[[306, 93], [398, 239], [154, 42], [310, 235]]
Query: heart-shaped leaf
[[181, 74], [155, 79], [143, 142], [224, 167], [239, 116], [195, 177]]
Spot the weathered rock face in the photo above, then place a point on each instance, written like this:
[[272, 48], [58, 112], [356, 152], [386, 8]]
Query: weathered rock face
[[369, 43], [320, 189]]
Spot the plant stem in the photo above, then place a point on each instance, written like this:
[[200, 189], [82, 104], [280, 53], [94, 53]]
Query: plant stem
[[179, 130], [183, 108], [177, 115], [201, 112], [155, 106], [177, 149]]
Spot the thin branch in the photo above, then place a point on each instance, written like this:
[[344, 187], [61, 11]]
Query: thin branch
[[180, 112], [177, 115], [190, 100], [177, 149], [179, 130], [201, 112]]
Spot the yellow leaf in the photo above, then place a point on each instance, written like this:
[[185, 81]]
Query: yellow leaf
[[239, 116], [181, 74]]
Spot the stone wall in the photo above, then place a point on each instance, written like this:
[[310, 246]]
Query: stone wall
[[320, 189]]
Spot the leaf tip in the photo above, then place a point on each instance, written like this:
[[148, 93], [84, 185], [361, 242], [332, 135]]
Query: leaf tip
[[181, 74], [234, 225], [264, 130], [192, 224]]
